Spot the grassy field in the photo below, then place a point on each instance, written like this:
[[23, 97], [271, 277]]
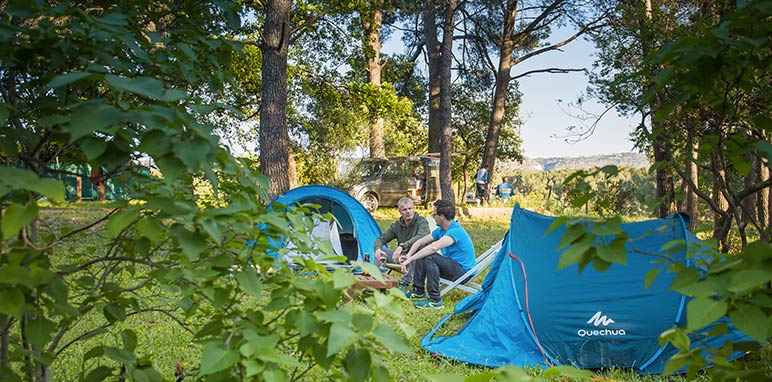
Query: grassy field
[[164, 343]]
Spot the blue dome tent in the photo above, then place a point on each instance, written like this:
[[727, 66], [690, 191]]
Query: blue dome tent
[[356, 227], [530, 313]]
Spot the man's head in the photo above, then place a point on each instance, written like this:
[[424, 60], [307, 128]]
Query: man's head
[[445, 209], [406, 209], [505, 179]]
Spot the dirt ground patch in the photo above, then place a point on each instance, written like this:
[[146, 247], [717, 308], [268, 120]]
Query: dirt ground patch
[[486, 212]]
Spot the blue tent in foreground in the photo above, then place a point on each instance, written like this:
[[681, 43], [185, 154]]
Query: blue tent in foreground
[[356, 227], [529, 313]]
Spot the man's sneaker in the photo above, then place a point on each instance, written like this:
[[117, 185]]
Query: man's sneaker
[[404, 287], [415, 296], [428, 304]]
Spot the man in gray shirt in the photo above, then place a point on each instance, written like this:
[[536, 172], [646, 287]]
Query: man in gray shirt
[[407, 230]]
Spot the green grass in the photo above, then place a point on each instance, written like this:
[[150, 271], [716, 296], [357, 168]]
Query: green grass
[[164, 343]]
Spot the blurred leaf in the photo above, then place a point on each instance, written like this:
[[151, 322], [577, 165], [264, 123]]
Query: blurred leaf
[[751, 321], [250, 283], [703, 311], [93, 147], [677, 362], [559, 222], [129, 339], [192, 243], [677, 337], [216, 358], [144, 86], [39, 331], [150, 227], [358, 364], [192, 152], [114, 313], [573, 233], [92, 117], [170, 167], [390, 339], [342, 279], [17, 216], [99, 374], [15, 179], [573, 254], [339, 338], [68, 78], [210, 226], [120, 355], [614, 252], [119, 221], [568, 371], [747, 279], [582, 199], [651, 276]]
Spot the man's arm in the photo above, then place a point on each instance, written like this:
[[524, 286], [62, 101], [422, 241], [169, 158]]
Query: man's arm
[[418, 244], [437, 245]]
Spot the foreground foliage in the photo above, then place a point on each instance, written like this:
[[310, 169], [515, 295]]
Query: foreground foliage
[[109, 83]]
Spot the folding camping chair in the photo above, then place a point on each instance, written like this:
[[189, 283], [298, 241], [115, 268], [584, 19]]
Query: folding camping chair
[[483, 261]]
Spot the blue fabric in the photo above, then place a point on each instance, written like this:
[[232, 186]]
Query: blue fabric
[[462, 249], [352, 217], [529, 312]]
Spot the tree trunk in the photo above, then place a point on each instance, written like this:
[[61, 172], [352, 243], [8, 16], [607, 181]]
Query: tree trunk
[[446, 59], [722, 220], [435, 75], [693, 178], [748, 203], [371, 25], [274, 137], [762, 202], [501, 91], [5, 332], [664, 175]]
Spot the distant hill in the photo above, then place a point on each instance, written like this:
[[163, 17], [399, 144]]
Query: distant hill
[[635, 160]]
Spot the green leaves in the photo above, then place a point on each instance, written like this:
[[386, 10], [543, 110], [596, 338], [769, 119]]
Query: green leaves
[[68, 78], [703, 311], [15, 217], [249, 282], [14, 179], [390, 339], [217, 357], [752, 321], [13, 302], [39, 331], [340, 337], [145, 86], [93, 116], [119, 221]]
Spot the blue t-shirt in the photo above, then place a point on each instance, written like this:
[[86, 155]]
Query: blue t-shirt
[[504, 190], [462, 250]]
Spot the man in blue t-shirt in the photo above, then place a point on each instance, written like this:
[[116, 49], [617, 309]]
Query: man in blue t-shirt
[[456, 259], [504, 190]]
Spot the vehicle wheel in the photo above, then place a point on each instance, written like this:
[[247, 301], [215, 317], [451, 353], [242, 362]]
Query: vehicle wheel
[[370, 201]]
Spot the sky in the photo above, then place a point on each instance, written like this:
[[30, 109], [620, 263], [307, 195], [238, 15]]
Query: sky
[[545, 119], [545, 122]]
